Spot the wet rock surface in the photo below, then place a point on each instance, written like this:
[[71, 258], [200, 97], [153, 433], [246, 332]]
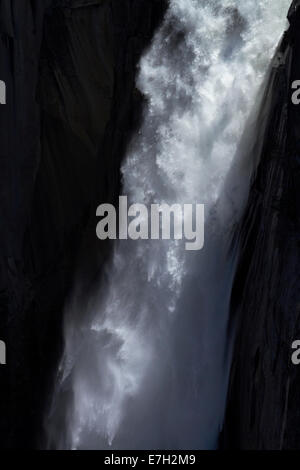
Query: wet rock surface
[[263, 397]]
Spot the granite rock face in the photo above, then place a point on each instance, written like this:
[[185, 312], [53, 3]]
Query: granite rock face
[[263, 398], [72, 105]]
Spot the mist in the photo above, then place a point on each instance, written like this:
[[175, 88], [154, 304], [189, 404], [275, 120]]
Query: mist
[[147, 364]]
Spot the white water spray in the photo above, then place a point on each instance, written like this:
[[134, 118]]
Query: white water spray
[[146, 364]]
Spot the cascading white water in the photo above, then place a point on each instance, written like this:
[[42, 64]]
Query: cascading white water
[[146, 365]]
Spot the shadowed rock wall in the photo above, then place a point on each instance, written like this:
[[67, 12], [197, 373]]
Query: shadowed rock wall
[[263, 399], [71, 107]]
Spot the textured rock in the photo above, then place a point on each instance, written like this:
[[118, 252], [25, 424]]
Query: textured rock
[[263, 399], [70, 70]]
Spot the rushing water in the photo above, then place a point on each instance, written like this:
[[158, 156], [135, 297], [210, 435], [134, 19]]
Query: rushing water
[[147, 365]]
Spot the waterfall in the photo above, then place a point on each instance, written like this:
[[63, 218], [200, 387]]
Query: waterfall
[[146, 366]]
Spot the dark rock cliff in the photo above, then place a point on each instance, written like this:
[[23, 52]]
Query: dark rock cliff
[[70, 68], [263, 398]]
